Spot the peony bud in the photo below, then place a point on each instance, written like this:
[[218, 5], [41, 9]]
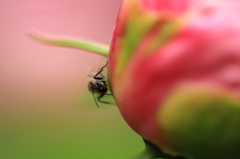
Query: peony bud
[[174, 69]]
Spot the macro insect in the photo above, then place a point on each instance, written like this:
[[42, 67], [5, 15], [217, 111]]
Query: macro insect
[[98, 85]]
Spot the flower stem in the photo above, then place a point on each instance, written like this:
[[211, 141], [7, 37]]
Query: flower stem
[[152, 152], [90, 46]]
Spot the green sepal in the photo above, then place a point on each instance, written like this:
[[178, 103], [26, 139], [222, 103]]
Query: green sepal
[[143, 31], [135, 28], [203, 121]]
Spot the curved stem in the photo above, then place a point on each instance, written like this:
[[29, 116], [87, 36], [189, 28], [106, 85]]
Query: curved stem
[[90, 46]]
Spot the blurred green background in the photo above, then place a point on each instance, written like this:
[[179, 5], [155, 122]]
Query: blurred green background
[[46, 110], [57, 129]]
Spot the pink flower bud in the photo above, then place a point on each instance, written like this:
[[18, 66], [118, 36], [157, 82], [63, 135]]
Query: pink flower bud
[[175, 74]]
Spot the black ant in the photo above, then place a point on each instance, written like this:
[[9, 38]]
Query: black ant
[[98, 85]]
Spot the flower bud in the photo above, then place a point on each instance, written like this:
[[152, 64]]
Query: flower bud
[[174, 69]]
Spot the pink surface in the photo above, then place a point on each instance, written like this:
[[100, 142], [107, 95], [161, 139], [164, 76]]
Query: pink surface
[[30, 70]]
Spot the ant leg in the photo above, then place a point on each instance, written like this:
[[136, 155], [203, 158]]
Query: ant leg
[[90, 72], [95, 99], [99, 72], [106, 102], [108, 94], [92, 91]]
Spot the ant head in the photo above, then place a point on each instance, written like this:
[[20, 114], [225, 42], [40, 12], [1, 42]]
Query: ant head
[[97, 86]]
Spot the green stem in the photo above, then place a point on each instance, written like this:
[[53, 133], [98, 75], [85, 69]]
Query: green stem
[[152, 152], [146, 154], [90, 46]]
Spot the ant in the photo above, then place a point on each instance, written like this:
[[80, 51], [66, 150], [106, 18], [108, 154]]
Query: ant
[[98, 85]]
